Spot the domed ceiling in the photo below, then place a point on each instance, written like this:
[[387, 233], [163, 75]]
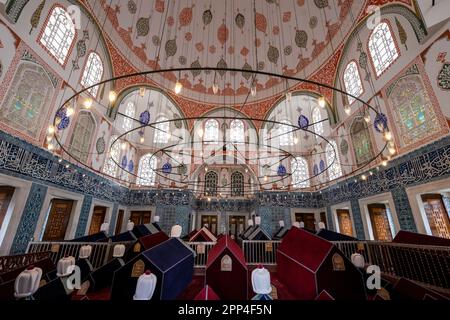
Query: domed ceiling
[[277, 36]]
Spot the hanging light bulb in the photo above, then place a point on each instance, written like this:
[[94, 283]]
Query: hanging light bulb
[[388, 136], [124, 145], [384, 163], [142, 139], [200, 132], [51, 130], [206, 169], [215, 88], [295, 140], [322, 102], [112, 96], [178, 87], [69, 111], [391, 151], [266, 178], [59, 160], [253, 90], [367, 118], [67, 166], [347, 109], [209, 199], [50, 147], [142, 91], [87, 103], [363, 177], [49, 139]]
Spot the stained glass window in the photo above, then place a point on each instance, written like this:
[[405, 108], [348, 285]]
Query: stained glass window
[[26, 103], [130, 111], [58, 34], [146, 171], [237, 131], [211, 131], [285, 133], [352, 81], [237, 184], [317, 119], [162, 128], [80, 143], [93, 73], [300, 173], [362, 145], [413, 110], [110, 167], [334, 171], [211, 180], [382, 48]]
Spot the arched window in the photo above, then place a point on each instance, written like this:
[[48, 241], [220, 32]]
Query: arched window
[[300, 173], [317, 119], [113, 157], [352, 81], [382, 48], [147, 170], [211, 131], [285, 133], [211, 179], [237, 184], [28, 99], [361, 141], [237, 131], [93, 73], [80, 143], [130, 111], [58, 34], [162, 128], [332, 155]]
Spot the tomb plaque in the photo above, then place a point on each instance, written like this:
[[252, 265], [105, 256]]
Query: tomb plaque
[[269, 247], [137, 247], [201, 249], [226, 264], [138, 269], [84, 288], [54, 248]]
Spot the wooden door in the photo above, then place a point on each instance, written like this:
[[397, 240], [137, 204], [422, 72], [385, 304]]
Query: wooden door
[[6, 194], [437, 215], [236, 225], [323, 218], [345, 222], [58, 219], [119, 221], [380, 222], [140, 217], [307, 218], [210, 221], [98, 217]]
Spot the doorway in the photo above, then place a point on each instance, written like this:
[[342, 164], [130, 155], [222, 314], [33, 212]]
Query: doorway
[[119, 221], [236, 225], [98, 217], [323, 218], [58, 219], [140, 217], [345, 222], [210, 221], [437, 215], [6, 194], [307, 219], [380, 222]]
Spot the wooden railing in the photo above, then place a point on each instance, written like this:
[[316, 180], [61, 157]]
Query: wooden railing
[[10, 263], [260, 252], [101, 251], [202, 250]]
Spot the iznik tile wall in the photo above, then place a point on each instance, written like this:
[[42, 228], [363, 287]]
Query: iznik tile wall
[[357, 219], [29, 219], [112, 221], [84, 216], [403, 209]]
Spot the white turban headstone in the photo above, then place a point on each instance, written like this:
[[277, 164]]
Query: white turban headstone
[[119, 251], [301, 224], [250, 222], [27, 282], [130, 225], [176, 231], [145, 286], [358, 260], [261, 281], [105, 227], [281, 222], [62, 268], [257, 220], [156, 219], [321, 225], [296, 224], [85, 252]]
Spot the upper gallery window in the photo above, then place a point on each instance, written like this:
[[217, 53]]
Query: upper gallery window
[[147, 170], [285, 133], [317, 120], [93, 73], [333, 160], [130, 111], [162, 128], [237, 131], [382, 47], [352, 81], [110, 166], [300, 173], [58, 34], [211, 131]]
